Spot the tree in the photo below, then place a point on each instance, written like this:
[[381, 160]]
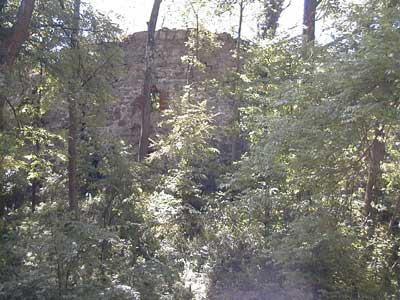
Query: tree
[[310, 9], [73, 114], [311, 210], [148, 82], [236, 149], [11, 40], [376, 154]]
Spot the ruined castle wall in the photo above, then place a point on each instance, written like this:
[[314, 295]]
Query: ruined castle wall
[[171, 76]]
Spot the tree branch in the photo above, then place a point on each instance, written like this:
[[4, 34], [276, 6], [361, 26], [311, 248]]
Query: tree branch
[[14, 112], [10, 46]]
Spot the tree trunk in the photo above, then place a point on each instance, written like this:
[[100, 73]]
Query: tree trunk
[[34, 195], [2, 105], [72, 156], [376, 155], [236, 114], [35, 184], [310, 10], [148, 82], [10, 45], [37, 123], [193, 52], [73, 117]]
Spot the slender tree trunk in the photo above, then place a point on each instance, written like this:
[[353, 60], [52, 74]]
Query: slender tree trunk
[[148, 82], [194, 56], [376, 155], [72, 156], [2, 105], [34, 196], [236, 105], [239, 38], [194, 53], [73, 117], [37, 123], [35, 184], [310, 10]]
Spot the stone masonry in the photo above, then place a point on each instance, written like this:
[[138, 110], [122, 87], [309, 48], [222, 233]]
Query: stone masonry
[[171, 76]]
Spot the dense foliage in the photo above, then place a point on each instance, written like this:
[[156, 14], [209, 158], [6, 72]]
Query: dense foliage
[[309, 210]]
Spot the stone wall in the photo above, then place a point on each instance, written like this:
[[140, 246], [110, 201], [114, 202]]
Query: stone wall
[[171, 76]]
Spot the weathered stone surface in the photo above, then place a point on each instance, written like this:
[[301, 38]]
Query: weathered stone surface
[[171, 75]]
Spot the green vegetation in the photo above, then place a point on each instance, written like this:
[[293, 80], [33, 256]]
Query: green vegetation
[[297, 198]]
